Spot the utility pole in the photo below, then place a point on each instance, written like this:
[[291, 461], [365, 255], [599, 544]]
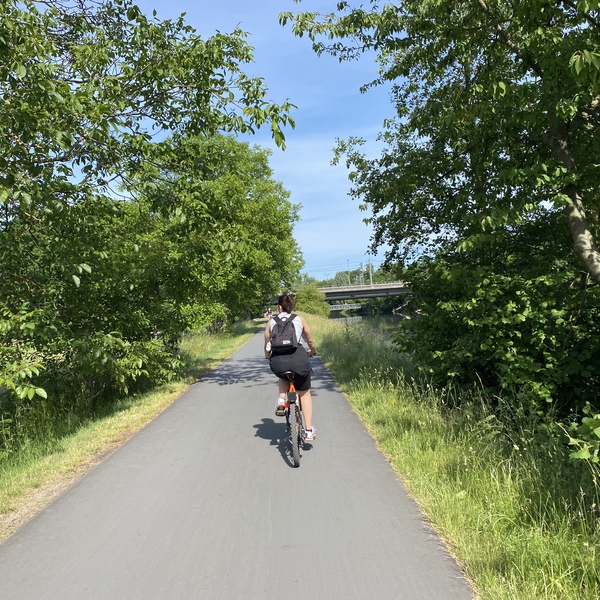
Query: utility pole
[[370, 273]]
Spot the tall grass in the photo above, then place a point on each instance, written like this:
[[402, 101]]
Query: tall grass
[[497, 484]]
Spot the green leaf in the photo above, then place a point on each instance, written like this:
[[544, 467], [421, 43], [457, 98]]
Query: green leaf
[[582, 454], [20, 71]]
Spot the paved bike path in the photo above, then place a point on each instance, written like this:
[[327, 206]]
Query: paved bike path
[[204, 503]]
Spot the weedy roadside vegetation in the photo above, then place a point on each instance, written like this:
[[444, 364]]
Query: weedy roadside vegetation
[[59, 452], [498, 485]]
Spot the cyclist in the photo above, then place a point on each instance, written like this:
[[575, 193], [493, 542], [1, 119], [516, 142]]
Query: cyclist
[[298, 362]]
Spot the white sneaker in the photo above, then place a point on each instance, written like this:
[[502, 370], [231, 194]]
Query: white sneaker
[[280, 410], [311, 434]]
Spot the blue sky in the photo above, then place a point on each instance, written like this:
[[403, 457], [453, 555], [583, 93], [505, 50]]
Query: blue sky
[[331, 232]]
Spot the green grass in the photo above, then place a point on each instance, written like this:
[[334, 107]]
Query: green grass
[[43, 463], [519, 516]]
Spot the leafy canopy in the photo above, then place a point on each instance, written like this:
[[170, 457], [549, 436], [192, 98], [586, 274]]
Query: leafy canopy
[[497, 118], [128, 213], [487, 184]]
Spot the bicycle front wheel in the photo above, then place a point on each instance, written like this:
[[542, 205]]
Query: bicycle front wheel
[[296, 434]]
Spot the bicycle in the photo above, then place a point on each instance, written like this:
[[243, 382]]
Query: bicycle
[[294, 418]]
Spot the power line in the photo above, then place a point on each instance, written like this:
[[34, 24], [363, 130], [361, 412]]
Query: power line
[[330, 270]]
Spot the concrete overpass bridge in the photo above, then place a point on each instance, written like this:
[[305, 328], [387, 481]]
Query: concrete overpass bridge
[[375, 290]]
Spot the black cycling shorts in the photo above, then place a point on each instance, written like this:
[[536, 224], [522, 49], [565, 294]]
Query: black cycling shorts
[[298, 363]]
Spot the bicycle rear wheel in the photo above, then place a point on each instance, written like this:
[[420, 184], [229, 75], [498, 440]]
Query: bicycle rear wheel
[[295, 433]]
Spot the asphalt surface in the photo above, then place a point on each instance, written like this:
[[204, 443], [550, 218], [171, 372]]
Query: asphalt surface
[[204, 503]]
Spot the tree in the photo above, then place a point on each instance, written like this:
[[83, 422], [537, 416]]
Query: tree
[[488, 183], [498, 109], [304, 279], [94, 270], [233, 221], [512, 322], [309, 299]]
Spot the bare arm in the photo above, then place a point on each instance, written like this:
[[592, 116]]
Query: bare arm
[[267, 339], [307, 335]]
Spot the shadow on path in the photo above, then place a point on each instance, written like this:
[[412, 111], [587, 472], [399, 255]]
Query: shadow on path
[[248, 372], [277, 435]]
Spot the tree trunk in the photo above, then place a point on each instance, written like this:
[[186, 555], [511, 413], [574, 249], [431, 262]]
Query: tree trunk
[[584, 245], [583, 240]]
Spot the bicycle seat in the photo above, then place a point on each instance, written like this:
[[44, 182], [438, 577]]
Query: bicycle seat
[[290, 375]]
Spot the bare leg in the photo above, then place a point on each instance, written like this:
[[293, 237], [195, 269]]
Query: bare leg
[[307, 407], [284, 386]]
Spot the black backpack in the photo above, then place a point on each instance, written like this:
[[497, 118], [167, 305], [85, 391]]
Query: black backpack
[[283, 336]]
